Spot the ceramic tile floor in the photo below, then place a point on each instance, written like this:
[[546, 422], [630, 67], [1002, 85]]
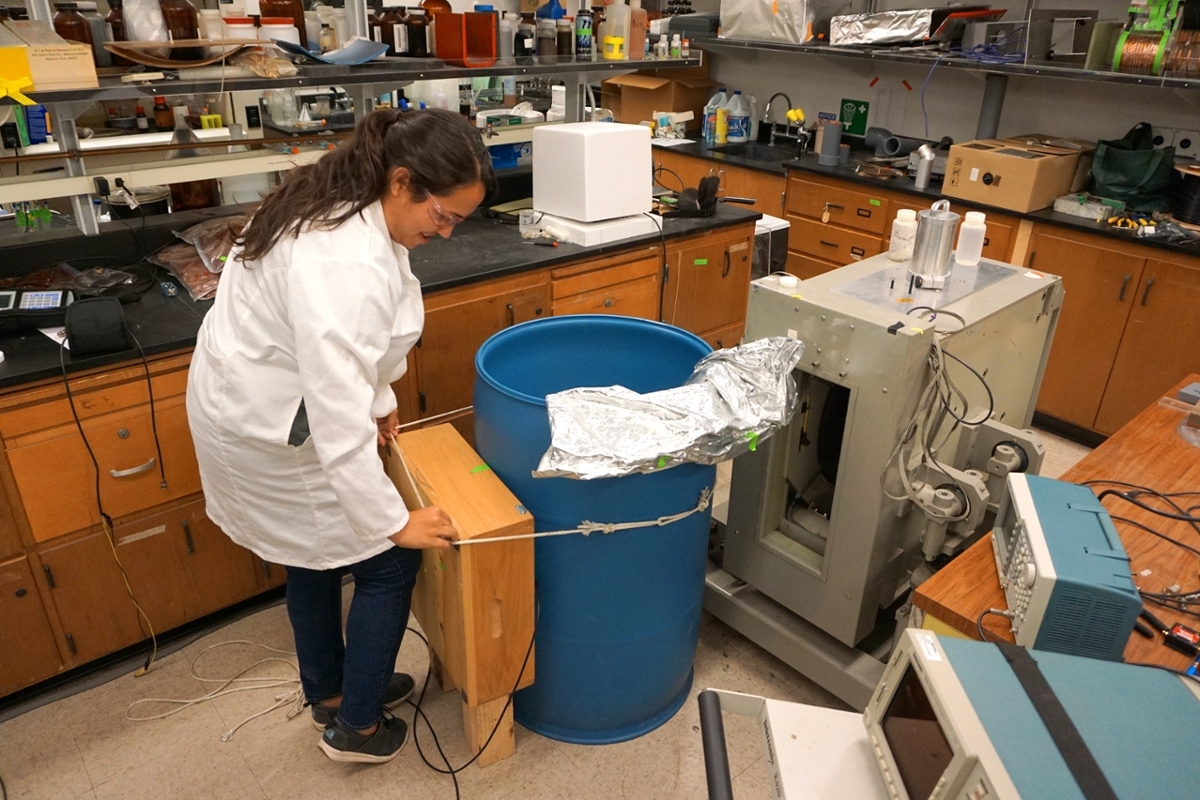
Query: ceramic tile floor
[[84, 747]]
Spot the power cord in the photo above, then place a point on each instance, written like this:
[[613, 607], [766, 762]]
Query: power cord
[[450, 770], [105, 520]]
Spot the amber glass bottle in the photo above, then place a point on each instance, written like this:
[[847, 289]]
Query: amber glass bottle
[[182, 23], [293, 9]]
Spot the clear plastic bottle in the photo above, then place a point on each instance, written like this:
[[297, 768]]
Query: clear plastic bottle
[[638, 27], [904, 235], [971, 234], [739, 119]]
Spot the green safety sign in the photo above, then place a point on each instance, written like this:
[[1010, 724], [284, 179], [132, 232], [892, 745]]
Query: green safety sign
[[853, 116]]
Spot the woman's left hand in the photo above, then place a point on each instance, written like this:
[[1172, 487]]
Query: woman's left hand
[[389, 426]]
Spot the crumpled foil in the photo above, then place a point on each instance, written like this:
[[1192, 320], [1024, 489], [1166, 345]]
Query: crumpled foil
[[734, 399], [882, 27]]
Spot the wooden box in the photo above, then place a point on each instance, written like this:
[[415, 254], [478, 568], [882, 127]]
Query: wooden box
[[475, 603]]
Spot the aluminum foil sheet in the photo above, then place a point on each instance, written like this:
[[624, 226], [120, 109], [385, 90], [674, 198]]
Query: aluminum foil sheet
[[734, 399], [883, 27]]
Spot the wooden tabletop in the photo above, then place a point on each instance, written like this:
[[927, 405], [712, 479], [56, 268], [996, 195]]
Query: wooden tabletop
[[1149, 452]]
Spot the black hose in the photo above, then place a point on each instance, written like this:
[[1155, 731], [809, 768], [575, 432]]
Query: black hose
[[716, 758]]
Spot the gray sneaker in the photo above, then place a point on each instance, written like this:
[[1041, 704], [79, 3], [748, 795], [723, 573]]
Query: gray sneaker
[[351, 747], [399, 689]]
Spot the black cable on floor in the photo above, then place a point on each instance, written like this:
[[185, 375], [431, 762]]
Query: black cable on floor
[[451, 770]]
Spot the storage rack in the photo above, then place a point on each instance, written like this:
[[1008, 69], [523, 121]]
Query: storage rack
[[363, 83]]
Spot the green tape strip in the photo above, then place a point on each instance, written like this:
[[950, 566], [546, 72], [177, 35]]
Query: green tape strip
[[663, 460], [874, 202], [753, 437], [700, 262], [480, 468]]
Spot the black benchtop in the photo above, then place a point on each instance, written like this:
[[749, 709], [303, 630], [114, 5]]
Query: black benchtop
[[809, 164], [480, 249]]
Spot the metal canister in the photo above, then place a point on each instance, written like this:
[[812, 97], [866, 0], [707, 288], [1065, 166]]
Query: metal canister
[[932, 252]]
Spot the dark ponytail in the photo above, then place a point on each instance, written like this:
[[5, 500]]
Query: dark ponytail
[[440, 149]]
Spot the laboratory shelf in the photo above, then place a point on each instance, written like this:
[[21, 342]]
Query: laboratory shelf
[[926, 58], [390, 72]]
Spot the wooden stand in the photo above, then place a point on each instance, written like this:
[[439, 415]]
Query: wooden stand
[[475, 603]]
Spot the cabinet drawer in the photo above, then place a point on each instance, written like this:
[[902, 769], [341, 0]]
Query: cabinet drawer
[[831, 242], [56, 479], [721, 338], [570, 281], [638, 298], [805, 266], [29, 654], [859, 210]]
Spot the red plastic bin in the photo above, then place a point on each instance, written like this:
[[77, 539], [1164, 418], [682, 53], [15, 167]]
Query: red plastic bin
[[467, 40]]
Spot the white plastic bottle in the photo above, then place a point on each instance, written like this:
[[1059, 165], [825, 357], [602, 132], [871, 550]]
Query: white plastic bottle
[[504, 36], [970, 239], [739, 119], [904, 235], [718, 100], [662, 48]]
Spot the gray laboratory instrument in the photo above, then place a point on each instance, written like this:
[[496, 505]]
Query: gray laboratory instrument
[[915, 406]]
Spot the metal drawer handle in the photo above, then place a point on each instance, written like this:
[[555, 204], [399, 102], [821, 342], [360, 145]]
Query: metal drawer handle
[[728, 265], [828, 244], [1124, 286], [128, 473], [834, 205], [1146, 294]]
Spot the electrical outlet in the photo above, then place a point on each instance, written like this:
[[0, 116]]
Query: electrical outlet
[[1163, 137], [1187, 144]]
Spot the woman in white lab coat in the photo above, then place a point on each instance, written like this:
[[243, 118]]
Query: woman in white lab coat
[[289, 396]]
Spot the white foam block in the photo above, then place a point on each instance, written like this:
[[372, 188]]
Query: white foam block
[[592, 171], [588, 234]]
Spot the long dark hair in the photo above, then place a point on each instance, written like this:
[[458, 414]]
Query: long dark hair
[[440, 149]]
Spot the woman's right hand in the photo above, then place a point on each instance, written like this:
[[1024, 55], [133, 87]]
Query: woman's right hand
[[427, 529]]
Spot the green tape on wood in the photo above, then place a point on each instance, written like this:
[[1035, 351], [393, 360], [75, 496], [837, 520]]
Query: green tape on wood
[[874, 202], [701, 262], [480, 468]]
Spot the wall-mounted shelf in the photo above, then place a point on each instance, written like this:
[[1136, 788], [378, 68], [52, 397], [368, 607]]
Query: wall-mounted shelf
[[926, 58], [391, 72]]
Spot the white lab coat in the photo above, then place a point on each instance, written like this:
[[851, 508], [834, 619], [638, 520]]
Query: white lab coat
[[327, 317]]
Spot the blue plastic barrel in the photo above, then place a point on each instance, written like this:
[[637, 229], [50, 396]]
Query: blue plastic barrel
[[619, 614]]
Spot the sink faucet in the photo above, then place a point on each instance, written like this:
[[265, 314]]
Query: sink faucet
[[766, 117]]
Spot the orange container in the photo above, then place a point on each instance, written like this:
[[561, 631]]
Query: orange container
[[466, 40]]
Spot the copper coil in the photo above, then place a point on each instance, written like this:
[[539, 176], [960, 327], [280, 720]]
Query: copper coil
[[1139, 52], [1183, 58]]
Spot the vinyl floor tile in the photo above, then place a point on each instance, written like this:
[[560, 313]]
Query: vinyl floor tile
[[39, 759]]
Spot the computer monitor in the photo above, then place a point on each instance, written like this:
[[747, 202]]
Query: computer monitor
[[950, 720]]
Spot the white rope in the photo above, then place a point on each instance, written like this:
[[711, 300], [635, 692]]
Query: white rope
[[588, 527], [293, 696]]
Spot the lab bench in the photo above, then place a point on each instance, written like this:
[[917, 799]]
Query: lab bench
[[64, 599]]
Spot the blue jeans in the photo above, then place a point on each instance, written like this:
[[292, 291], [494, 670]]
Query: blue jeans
[[360, 667]]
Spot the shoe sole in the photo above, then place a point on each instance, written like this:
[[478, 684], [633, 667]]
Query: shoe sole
[[351, 757], [321, 727]]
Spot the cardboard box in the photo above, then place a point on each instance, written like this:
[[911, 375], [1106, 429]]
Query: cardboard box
[[592, 171], [32, 49], [1021, 173], [635, 97]]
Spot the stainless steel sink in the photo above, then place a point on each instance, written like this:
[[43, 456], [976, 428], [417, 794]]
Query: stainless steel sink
[[757, 151]]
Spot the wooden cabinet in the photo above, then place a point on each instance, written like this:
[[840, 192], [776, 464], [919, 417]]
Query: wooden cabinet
[[708, 285], [29, 654], [179, 567], [457, 322], [629, 284], [1100, 280], [846, 207], [1161, 344], [766, 188], [50, 464]]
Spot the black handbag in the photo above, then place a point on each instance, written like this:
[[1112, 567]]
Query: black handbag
[[1132, 170], [96, 325]]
